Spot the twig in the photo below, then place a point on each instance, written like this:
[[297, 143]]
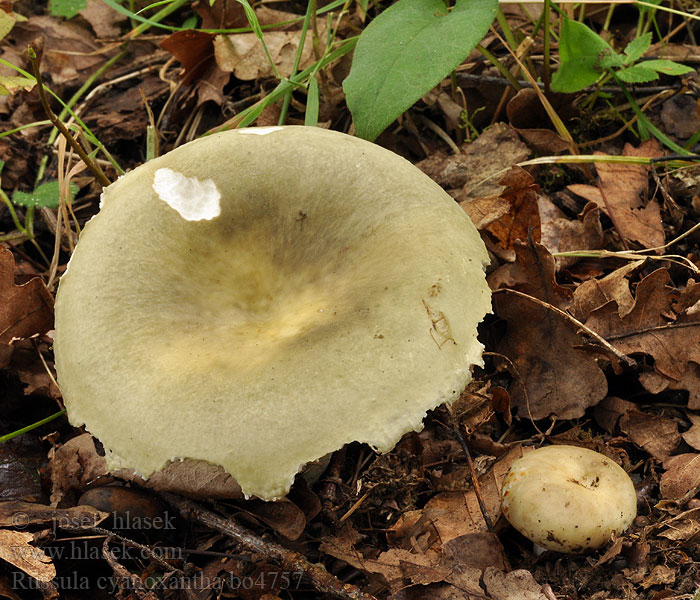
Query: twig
[[472, 471], [622, 357], [321, 579], [620, 336], [58, 124]]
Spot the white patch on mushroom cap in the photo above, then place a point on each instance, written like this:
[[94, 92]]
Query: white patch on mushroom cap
[[195, 200], [259, 130]]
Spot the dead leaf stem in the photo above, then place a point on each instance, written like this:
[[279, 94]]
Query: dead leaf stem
[[620, 336], [58, 124]]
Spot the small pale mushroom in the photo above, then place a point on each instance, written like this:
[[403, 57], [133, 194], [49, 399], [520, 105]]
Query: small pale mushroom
[[258, 298], [568, 499]]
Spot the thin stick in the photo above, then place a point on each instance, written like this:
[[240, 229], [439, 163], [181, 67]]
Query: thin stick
[[58, 124], [472, 471], [321, 579]]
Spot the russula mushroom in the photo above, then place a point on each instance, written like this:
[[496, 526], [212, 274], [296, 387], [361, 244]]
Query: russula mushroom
[[568, 499], [257, 298]]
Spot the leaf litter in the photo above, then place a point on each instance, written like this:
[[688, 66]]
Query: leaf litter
[[408, 524]]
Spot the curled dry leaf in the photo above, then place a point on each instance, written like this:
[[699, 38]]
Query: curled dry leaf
[[25, 310], [70, 53], [522, 221], [560, 234], [594, 293], [16, 549], [625, 187]]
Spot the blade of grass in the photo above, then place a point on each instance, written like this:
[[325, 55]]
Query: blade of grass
[[18, 432]]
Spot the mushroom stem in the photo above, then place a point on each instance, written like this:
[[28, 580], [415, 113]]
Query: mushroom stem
[[321, 579]]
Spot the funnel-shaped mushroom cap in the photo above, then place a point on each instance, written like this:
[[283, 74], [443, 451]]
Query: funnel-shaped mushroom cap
[[258, 298]]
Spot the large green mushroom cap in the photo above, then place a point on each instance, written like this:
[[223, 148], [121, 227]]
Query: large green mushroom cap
[[260, 297]]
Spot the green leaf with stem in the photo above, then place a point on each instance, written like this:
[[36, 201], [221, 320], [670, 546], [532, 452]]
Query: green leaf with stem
[[405, 52]]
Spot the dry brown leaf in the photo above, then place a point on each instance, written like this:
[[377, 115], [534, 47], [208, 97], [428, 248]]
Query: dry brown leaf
[[682, 475], [479, 164], [104, 20], [74, 466], [20, 514], [285, 517], [16, 549], [69, 52], [660, 574], [692, 436], [528, 117], [484, 211], [657, 435], [243, 55], [626, 187], [608, 412], [25, 310], [553, 376], [193, 478], [224, 14], [516, 585], [522, 220], [193, 49], [120, 114], [646, 328], [560, 234], [682, 530], [594, 293]]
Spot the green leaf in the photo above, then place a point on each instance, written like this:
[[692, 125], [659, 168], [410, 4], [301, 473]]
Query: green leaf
[[312, 104], [44, 196], [636, 48], [405, 52], [581, 51], [66, 8], [637, 74], [667, 67], [7, 22], [9, 84]]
